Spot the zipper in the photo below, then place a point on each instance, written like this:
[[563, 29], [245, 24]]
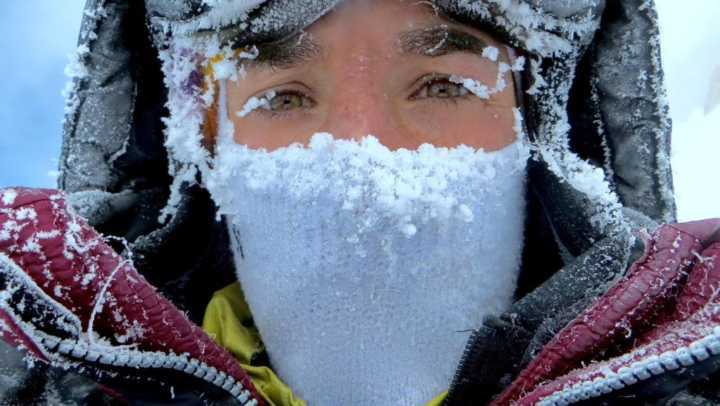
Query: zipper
[[460, 371], [682, 358]]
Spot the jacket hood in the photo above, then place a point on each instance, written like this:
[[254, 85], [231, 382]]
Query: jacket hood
[[133, 156]]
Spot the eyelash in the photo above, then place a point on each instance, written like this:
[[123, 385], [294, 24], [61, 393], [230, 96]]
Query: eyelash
[[285, 93], [425, 84]]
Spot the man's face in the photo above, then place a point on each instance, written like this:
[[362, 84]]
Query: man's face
[[379, 67], [352, 246]]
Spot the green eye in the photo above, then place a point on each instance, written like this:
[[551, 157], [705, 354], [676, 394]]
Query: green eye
[[440, 88], [444, 90], [289, 101]]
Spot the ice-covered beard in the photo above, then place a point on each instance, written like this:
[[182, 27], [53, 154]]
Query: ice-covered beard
[[365, 268]]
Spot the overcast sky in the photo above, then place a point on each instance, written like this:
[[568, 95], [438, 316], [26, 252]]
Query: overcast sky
[[34, 53], [691, 38], [35, 38]]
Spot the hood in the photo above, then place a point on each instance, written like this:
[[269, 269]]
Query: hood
[[132, 158]]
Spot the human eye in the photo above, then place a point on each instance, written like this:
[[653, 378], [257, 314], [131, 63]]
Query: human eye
[[283, 101], [277, 102], [439, 87]]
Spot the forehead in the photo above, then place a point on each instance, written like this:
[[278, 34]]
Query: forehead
[[402, 10], [377, 18], [377, 28]]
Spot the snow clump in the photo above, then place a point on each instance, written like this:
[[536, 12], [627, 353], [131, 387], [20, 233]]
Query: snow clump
[[9, 196], [412, 186]]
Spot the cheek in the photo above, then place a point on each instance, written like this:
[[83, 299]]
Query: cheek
[[260, 130], [270, 133], [474, 123]]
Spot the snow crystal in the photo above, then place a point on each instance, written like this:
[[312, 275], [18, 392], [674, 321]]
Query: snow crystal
[[539, 83], [437, 46], [225, 70], [252, 54], [8, 196], [484, 91], [349, 233], [75, 71], [408, 229], [9, 227], [220, 13], [587, 179], [475, 87], [466, 213], [26, 213], [491, 53], [519, 126], [262, 102], [31, 246], [518, 65], [134, 333], [88, 278], [183, 127], [227, 67]]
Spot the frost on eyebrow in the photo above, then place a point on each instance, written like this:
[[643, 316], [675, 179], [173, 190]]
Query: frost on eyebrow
[[440, 40], [286, 53]]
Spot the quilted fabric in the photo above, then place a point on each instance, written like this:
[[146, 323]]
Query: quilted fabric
[[69, 298]]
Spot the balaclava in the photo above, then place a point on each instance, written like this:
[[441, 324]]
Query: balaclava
[[371, 265]]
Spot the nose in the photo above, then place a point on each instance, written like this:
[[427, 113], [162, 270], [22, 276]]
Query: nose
[[358, 112], [361, 105]]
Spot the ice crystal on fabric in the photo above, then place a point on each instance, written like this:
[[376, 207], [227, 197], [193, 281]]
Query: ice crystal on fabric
[[8, 196]]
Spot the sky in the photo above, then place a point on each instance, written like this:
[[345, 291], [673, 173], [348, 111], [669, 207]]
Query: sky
[[35, 54], [690, 38]]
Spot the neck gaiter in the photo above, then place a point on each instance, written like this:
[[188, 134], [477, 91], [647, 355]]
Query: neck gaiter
[[366, 268]]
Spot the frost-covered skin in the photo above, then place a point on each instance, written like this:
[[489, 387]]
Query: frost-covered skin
[[394, 81], [70, 301]]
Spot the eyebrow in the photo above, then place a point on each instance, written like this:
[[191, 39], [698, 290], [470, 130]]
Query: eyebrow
[[434, 41], [286, 53], [440, 40]]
